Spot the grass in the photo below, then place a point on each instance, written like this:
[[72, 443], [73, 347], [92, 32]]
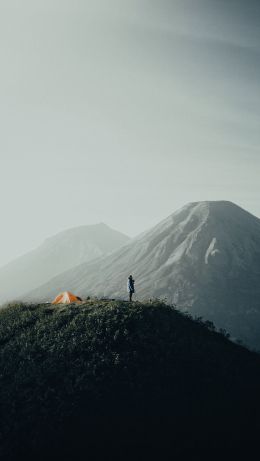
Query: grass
[[112, 374]]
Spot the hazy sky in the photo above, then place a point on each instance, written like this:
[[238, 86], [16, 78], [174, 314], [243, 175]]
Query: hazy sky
[[122, 111]]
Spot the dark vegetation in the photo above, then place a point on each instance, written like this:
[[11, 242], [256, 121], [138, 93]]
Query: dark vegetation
[[106, 376]]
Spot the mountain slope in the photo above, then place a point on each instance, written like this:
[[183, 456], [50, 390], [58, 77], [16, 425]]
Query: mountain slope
[[104, 375], [58, 253], [205, 258]]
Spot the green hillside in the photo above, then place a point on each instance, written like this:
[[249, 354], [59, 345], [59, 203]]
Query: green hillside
[[107, 375]]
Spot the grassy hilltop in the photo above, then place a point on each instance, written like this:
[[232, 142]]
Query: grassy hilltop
[[109, 375]]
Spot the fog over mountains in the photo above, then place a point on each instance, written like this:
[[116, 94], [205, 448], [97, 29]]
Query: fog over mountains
[[58, 253], [204, 257]]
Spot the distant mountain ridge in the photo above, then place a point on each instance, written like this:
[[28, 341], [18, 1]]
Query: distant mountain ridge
[[204, 257], [63, 251]]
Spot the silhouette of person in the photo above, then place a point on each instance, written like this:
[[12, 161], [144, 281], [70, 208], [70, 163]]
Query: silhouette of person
[[130, 287]]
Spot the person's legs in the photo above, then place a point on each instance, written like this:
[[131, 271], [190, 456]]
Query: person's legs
[[130, 296]]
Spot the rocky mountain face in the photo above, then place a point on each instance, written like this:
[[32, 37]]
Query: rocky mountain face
[[61, 252], [205, 258]]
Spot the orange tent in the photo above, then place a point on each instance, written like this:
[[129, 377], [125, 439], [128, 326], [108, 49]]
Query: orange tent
[[66, 298]]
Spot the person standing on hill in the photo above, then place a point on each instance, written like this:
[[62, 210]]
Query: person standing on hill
[[130, 287]]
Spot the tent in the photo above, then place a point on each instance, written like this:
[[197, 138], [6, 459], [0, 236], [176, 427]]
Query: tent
[[66, 298]]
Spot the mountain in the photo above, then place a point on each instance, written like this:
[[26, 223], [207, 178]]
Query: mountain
[[204, 257], [58, 253], [86, 381]]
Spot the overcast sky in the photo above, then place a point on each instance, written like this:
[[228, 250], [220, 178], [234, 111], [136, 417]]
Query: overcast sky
[[122, 111]]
